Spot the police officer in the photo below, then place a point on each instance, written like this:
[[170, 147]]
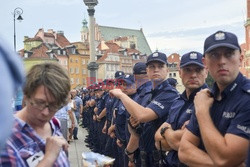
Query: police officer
[[157, 110], [111, 130], [193, 75], [219, 129], [90, 104], [143, 93], [173, 82], [108, 84], [100, 117], [121, 131]]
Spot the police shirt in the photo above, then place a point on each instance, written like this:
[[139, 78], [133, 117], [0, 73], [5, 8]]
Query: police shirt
[[231, 113], [109, 104], [179, 113], [142, 93], [120, 122], [101, 103], [163, 97]]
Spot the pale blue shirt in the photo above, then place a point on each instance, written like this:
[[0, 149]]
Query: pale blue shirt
[[63, 112], [12, 74]]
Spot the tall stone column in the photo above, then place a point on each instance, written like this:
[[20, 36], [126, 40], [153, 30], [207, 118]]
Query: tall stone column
[[92, 66]]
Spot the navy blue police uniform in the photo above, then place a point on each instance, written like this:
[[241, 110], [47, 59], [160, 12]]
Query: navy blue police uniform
[[232, 114], [160, 102], [100, 123], [179, 113]]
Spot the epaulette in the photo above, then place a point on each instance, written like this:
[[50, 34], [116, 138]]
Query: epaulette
[[246, 86]]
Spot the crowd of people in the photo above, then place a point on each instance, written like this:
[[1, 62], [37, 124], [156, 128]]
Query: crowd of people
[[140, 119]]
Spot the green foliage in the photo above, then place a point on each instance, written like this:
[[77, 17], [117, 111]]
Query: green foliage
[[209, 81]]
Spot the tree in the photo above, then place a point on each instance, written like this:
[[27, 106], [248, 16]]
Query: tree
[[209, 81]]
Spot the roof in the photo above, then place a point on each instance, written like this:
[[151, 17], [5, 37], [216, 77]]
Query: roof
[[113, 48], [62, 40], [33, 39], [40, 52], [174, 58], [110, 33]]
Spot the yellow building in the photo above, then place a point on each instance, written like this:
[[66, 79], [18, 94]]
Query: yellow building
[[78, 63]]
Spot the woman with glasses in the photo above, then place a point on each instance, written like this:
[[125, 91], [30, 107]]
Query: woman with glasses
[[36, 139]]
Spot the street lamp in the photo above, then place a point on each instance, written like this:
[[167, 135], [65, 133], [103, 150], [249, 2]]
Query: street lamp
[[18, 11], [92, 66]]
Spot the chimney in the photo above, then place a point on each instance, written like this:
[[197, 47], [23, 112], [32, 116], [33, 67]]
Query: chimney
[[50, 31], [25, 38], [60, 32]]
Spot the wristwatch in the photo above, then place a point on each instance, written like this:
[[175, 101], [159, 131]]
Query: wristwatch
[[163, 130], [127, 152]]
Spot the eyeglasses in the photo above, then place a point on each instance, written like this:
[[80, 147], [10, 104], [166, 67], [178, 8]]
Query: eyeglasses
[[41, 105]]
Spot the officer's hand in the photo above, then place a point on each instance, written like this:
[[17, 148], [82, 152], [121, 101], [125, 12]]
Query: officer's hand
[[184, 125], [116, 93], [53, 146], [104, 129], [112, 135], [134, 122], [110, 129], [119, 143], [95, 110], [203, 101], [94, 117], [132, 131], [158, 136], [131, 164]]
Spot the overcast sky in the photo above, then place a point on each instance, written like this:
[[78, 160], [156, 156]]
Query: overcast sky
[[169, 25]]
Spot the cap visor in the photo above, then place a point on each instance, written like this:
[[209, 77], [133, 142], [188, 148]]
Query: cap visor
[[192, 62], [156, 60], [221, 45]]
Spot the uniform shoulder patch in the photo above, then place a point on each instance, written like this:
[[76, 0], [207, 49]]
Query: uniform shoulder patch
[[246, 87]]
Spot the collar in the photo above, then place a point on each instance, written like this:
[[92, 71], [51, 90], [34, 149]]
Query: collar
[[230, 88], [192, 95]]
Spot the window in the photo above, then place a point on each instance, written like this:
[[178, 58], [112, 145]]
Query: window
[[71, 60], [76, 60], [170, 75], [77, 80], [65, 62], [83, 71], [132, 45], [84, 81], [174, 74], [64, 52], [72, 70], [108, 67], [58, 52], [72, 80], [83, 61], [77, 70]]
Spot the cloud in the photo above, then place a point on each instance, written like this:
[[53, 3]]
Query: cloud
[[186, 39], [198, 30], [53, 2]]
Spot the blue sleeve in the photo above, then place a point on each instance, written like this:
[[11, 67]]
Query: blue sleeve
[[162, 103], [193, 126], [240, 125]]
